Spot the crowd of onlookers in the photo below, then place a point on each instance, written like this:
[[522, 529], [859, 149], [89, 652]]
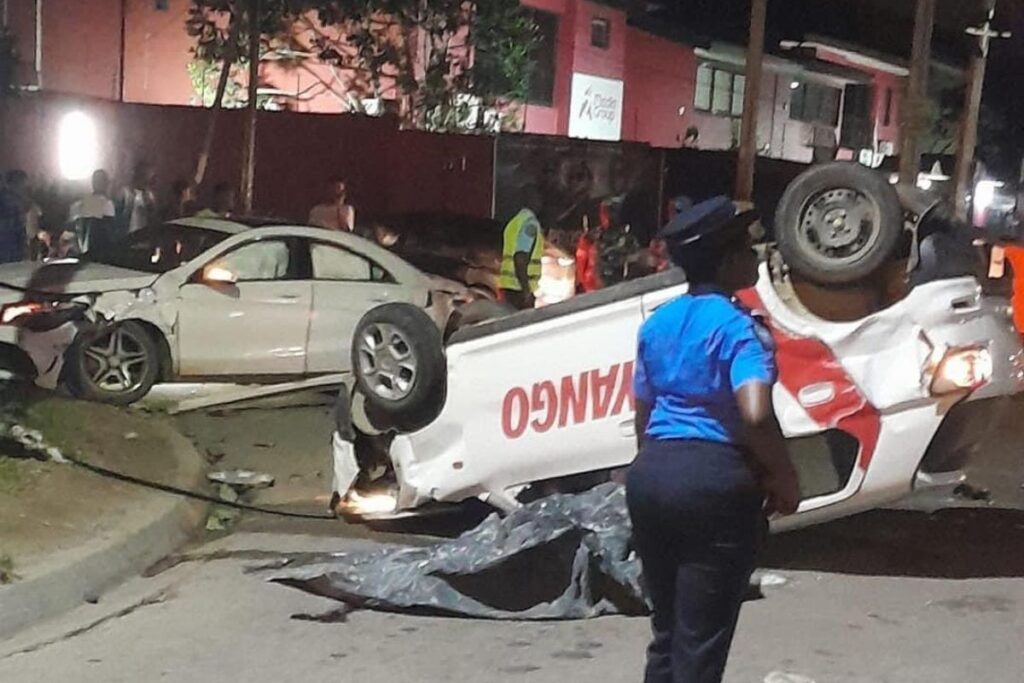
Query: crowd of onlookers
[[35, 226]]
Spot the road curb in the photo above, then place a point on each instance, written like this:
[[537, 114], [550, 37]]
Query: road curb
[[82, 574]]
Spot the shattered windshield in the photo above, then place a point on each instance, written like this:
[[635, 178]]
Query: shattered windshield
[[157, 249]]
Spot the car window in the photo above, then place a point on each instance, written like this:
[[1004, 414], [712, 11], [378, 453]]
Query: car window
[[157, 249], [334, 263], [263, 260]]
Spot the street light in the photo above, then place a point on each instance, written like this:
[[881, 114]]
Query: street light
[[77, 146]]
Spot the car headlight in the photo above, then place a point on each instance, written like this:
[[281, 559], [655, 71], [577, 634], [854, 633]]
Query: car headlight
[[21, 312], [962, 369]]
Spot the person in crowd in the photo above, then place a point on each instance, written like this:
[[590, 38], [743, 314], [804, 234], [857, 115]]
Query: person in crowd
[[615, 245], [181, 201], [92, 217], [712, 462], [223, 204], [137, 206], [335, 213], [586, 268], [15, 208], [522, 250]]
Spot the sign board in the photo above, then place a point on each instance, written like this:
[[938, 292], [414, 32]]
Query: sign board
[[595, 108]]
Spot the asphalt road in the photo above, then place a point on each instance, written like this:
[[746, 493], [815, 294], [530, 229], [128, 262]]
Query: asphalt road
[[898, 596]]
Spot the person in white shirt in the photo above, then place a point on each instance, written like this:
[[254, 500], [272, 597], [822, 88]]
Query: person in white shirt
[[337, 213], [93, 213], [137, 206]]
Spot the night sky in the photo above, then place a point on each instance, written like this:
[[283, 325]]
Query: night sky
[[885, 26]]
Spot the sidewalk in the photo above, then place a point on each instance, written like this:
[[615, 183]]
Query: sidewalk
[[66, 534]]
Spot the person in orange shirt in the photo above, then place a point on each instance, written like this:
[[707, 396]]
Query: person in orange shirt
[[1015, 256]]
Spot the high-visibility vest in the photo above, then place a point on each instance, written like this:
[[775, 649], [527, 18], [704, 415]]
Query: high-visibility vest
[[508, 280]]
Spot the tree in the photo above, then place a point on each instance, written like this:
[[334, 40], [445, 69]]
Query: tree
[[446, 63], [221, 30], [997, 148]]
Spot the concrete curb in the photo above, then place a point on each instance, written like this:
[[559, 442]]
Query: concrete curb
[[81, 574]]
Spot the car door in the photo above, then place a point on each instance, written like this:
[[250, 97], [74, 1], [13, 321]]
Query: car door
[[255, 325], [345, 286]]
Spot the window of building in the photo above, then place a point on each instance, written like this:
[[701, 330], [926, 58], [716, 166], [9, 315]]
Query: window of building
[[162, 5], [887, 117], [718, 91], [600, 33], [815, 103], [542, 76]]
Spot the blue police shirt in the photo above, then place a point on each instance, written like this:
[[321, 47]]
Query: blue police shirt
[[692, 355]]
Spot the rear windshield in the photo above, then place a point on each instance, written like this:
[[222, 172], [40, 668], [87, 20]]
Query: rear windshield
[[158, 249]]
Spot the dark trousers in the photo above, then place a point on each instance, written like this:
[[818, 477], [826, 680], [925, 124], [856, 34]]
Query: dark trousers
[[697, 524]]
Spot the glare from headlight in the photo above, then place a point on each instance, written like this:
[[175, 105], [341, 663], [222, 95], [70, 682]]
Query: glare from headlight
[[962, 369], [370, 504], [15, 311]]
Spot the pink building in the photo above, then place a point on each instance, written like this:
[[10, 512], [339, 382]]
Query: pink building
[[597, 76]]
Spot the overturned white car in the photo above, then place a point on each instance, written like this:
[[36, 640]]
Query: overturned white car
[[871, 408]]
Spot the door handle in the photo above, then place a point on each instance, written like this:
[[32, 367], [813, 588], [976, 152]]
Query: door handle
[[288, 297]]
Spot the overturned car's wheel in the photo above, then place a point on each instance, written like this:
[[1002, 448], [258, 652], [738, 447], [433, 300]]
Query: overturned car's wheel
[[118, 364], [837, 223], [399, 365]]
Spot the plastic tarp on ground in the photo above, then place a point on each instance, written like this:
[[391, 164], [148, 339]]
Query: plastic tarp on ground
[[562, 557]]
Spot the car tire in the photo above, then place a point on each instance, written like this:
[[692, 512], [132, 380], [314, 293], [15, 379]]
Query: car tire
[[838, 223], [116, 364], [399, 365]]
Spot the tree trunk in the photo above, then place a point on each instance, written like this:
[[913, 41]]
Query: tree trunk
[[218, 101]]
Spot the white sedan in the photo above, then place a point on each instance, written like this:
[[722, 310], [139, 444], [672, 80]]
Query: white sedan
[[203, 299]]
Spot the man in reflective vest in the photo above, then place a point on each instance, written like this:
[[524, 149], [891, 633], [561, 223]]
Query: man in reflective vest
[[521, 259]]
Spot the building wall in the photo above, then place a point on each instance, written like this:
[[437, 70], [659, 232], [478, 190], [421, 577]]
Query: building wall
[[881, 80], [156, 71], [659, 83], [553, 120]]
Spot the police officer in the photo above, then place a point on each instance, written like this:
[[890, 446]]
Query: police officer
[[712, 461], [521, 253]]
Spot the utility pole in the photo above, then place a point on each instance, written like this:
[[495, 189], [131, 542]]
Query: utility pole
[[249, 151], [972, 106], [751, 99], [912, 117]]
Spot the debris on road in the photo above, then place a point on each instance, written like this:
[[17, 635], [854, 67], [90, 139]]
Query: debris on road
[[7, 574], [567, 557], [969, 492], [242, 480], [782, 677]]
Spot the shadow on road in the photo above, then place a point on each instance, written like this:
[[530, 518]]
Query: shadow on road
[[968, 543]]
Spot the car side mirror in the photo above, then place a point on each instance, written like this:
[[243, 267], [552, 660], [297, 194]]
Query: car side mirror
[[219, 275]]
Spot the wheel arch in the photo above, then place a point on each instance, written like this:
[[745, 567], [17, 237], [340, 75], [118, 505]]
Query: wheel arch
[[167, 369]]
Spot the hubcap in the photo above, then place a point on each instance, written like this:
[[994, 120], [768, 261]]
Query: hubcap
[[839, 225], [117, 361], [387, 362]]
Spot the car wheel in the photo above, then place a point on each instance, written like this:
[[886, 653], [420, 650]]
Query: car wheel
[[118, 364], [838, 223], [399, 365]]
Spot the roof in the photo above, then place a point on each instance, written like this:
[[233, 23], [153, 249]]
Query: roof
[[866, 57], [227, 226]]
